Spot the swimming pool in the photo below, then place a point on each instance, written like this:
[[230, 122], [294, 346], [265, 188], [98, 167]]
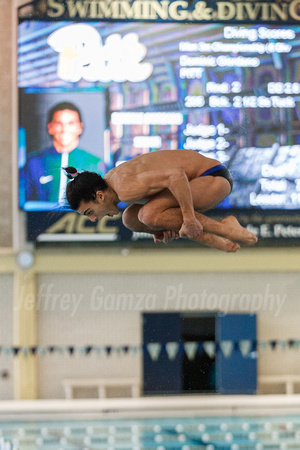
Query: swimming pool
[[160, 423], [168, 433]]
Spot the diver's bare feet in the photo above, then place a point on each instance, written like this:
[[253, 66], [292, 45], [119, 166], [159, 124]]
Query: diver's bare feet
[[217, 242], [230, 247], [237, 233]]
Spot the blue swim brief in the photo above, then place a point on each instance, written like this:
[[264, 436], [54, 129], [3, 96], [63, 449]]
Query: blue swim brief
[[219, 171]]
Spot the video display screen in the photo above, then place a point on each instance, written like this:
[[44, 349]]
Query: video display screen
[[95, 95]]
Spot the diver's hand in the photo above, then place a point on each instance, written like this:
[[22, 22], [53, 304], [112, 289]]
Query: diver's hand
[[191, 229], [165, 236]]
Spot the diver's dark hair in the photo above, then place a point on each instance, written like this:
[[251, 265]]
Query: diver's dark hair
[[61, 107], [83, 186]]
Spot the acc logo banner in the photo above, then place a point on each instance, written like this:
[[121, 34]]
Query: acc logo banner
[[164, 10], [54, 227]]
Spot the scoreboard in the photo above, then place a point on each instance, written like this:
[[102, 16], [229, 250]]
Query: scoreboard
[[228, 91]]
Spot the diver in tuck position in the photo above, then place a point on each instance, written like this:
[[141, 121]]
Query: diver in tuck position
[[167, 192]]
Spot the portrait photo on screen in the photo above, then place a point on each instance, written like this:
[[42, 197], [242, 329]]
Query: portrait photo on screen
[[57, 130]]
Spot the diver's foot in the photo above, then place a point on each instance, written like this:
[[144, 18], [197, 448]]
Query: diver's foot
[[237, 233], [218, 242]]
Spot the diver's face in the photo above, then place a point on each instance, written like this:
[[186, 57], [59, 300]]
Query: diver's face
[[100, 207], [65, 130]]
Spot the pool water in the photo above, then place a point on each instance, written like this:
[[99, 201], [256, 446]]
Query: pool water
[[188, 433]]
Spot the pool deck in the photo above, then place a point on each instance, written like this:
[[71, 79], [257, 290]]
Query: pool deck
[[195, 405]]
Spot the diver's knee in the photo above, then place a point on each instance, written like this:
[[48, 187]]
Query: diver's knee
[[130, 216], [147, 216]]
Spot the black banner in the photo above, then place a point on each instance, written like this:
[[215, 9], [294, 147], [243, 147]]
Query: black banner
[[45, 226], [279, 12], [275, 227]]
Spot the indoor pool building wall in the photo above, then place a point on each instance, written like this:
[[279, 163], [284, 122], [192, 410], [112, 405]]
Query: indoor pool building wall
[[37, 306]]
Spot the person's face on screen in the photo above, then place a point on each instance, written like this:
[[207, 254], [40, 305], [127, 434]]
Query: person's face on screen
[[65, 130]]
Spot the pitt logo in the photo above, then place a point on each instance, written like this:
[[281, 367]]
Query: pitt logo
[[83, 55]]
